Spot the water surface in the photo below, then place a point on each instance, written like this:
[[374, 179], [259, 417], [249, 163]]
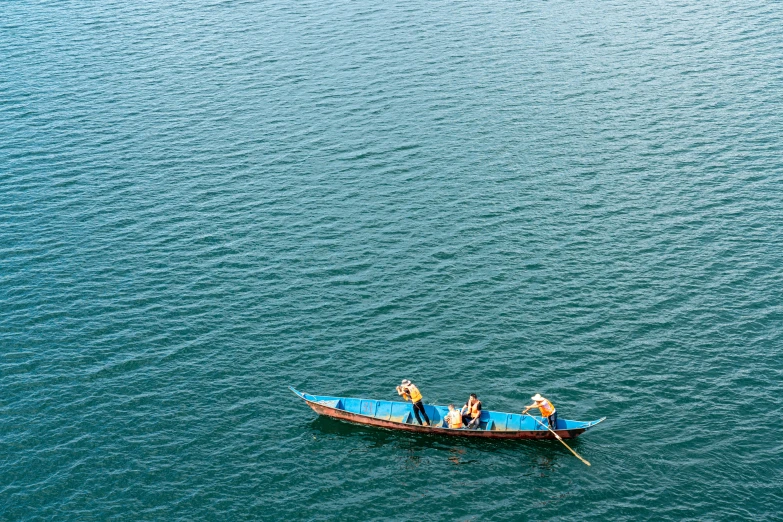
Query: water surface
[[204, 202]]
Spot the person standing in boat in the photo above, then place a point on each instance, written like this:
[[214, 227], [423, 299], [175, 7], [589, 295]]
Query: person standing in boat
[[410, 392], [546, 408], [471, 411]]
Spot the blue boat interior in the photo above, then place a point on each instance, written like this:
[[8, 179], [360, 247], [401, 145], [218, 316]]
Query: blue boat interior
[[402, 412]]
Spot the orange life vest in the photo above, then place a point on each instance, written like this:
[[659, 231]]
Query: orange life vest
[[473, 408], [545, 407], [454, 419]]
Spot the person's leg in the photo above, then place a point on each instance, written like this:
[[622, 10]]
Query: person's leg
[[420, 406], [416, 412], [474, 423], [553, 421], [424, 412]]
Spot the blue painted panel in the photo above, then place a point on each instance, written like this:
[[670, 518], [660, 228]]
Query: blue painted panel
[[384, 410], [368, 407], [400, 408], [503, 424], [435, 413], [352, 405]]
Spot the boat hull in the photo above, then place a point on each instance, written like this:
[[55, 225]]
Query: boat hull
[[482, 434], [538, 433]]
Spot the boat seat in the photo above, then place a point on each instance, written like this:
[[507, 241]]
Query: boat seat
[[490, 425]]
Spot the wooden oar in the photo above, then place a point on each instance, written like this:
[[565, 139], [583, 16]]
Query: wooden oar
[[558, 437]]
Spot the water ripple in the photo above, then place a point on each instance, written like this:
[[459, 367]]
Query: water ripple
[[204, 202]]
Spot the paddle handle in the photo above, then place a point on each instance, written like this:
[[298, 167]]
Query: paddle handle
[[558, 437]]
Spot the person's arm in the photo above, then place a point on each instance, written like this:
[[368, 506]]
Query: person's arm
[[528, 408]]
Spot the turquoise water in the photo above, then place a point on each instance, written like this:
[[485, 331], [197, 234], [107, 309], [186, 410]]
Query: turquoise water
[[204, 202]]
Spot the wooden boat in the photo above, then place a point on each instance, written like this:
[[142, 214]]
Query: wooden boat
[[399, 416]]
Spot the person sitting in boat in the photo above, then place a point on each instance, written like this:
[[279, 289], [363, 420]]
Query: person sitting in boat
[[410, 392], [453, 418], [471, 412], [546, 408]]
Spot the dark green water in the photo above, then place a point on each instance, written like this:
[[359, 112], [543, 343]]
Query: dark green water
[[203, 202]]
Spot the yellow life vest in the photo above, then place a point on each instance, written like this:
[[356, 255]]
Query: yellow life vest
[[414, 393], [545, 407], [454, 419]]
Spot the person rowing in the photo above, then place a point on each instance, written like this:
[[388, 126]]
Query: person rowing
[[471, 412], [453, 418], [410, 392], [546, 408]]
